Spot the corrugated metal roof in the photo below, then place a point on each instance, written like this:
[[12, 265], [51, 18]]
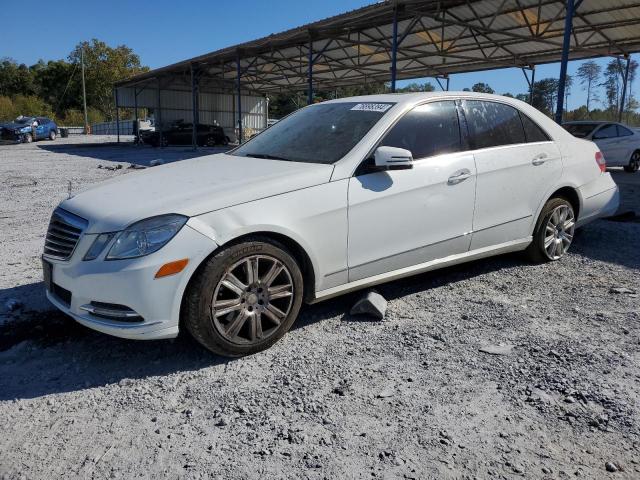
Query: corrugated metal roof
[[437, 38]]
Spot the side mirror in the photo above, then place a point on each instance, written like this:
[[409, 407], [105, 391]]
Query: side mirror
[[392, 158]]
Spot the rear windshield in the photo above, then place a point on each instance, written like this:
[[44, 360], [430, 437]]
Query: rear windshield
[[322, 133], [580, 130]]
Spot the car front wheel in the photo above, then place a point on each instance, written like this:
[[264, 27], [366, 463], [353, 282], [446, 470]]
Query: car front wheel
[[28, 138], [634, 163], [554, 231], [244, 298]]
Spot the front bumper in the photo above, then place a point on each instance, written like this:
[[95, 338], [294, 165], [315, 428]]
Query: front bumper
[[129, 283]]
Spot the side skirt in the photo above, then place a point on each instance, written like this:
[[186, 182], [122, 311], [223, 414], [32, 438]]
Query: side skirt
[[512, 246]]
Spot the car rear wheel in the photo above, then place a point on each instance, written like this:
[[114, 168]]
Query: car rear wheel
[[634, 163], [554, 231], [244, 298], [52, 135]]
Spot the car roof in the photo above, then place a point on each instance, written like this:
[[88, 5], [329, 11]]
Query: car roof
[[587, 122], [415, 97]]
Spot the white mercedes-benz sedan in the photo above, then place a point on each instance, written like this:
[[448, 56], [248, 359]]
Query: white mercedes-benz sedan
[[335, 197]]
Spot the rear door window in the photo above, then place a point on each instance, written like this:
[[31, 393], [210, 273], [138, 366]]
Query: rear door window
[[608, 131], [532, 131], [493, 124], [427, 130]]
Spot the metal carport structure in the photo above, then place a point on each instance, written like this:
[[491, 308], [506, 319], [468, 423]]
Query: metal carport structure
[[404, 39]]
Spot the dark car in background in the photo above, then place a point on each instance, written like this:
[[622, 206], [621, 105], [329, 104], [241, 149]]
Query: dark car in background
[[181, 133], [28, 129]]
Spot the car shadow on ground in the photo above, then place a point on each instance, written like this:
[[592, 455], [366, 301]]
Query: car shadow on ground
[[44, 352], [141, 155]]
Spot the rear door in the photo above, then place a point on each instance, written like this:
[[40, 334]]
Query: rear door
[[401, 218], [606, 137], [517, 164]]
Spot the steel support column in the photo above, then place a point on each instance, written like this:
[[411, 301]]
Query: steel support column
[[310, 74], [566, 45], [394, 49], [158, 118], [117, 115], [447, 83], [533, 84], [135, 115], [238, 76], [530, 82], [194, 106], [624, 89]]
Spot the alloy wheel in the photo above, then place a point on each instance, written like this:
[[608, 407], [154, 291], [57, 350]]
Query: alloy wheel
[[634, 164], [252, 299], [559, 232]]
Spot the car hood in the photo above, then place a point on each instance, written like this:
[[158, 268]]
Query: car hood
[[14, 126], [190, 187]]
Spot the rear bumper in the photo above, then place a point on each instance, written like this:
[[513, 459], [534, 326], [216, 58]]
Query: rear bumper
[[128, 283], [600, 198]]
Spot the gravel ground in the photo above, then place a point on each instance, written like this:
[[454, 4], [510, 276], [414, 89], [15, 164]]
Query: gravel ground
[[412, 396]]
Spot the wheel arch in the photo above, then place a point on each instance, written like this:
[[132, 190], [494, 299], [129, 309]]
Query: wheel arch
[[569, 192], [294, 247]]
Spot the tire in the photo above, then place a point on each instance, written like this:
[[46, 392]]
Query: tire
[[539, 251], [634, 163], [246, 317], [52, 135], [28, 138], [226, 141]]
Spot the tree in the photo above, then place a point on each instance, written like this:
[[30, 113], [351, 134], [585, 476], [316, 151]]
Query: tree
[[418, 87], [482, 88], [568, 83], [524, 97], [589, 73], [104, 66], [613, 79], [545, 92], [632, 103]]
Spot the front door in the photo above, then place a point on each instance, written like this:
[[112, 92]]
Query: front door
[[401, 218]]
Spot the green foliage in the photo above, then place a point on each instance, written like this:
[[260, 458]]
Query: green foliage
[[55, 87], [482, 88]]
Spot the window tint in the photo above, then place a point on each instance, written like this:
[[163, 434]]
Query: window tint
[[624, 131], [427, 130], [532, 131], [580, 130], [492, 124], [608, 131]]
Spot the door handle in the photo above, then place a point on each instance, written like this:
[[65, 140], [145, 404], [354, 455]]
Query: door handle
[[459, 176], [539, 159]]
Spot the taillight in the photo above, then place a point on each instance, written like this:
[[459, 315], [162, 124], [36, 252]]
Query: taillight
[[601, 161]]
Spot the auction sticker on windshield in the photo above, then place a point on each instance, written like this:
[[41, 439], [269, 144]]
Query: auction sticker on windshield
[[373, 107]]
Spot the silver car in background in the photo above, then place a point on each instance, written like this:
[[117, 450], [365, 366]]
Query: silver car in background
[[619, 144]]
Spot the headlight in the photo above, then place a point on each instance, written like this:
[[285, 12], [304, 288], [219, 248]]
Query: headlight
[[146, 236]]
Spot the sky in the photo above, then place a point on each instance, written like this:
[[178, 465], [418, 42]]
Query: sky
[[162, 32]]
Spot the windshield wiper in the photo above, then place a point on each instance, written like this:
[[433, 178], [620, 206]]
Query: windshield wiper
[[266, 156]]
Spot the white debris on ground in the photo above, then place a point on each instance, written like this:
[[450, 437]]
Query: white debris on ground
[[409, 397]]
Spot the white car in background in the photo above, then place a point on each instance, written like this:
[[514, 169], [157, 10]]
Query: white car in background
[[335, 197], [619, 144]]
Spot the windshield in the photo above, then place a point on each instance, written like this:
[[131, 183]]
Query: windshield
[[580, 130], [322, 133], [25, 120]]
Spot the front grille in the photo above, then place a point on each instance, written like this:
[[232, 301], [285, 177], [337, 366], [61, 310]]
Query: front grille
[[64, 232]]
